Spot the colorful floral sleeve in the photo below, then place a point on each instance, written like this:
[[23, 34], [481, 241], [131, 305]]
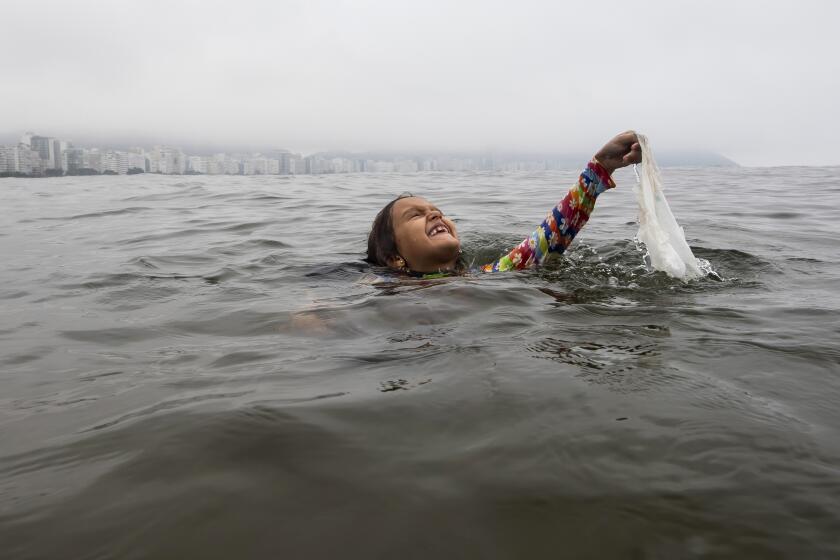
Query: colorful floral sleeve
[[561, 225]]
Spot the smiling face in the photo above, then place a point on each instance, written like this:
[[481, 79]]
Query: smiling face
[[426, 239]]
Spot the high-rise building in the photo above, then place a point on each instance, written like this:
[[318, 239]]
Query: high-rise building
[[115, 162], [31, 162], [296, 165], [342, 165], [20, 159], [260, 166], [167, 160], [284, 162], [216, 164], [45, 146], [50, 150], [197, 164], [136, 161], [429, 165], [92, 159], [9, 159], [59, 146], [75, 158]]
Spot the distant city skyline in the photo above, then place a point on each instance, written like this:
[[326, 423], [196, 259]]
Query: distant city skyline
[[34, 155], [703, 156]]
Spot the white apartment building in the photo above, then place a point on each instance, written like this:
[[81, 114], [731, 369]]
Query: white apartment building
[[226, 165], [260, 164], [136, 161], [429, 165], [296, 165], [343, 165], [380, 166], [316, 165], [92, 159], [167, 160], [46, 148], [20, 159], [74, 159], [216, 164], [114, 162], [198, 164], [10, 159]]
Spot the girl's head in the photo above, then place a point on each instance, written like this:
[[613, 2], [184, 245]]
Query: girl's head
[[410, 233]]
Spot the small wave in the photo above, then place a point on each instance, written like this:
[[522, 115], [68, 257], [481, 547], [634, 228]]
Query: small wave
[[340, 270], [175, 234], [221, 275], [271, 197], [164, 261], [248, 226], [804, 259], [101, 214], [780, 215], [191, 186], [241, 357], [731, 256], [174, 194], [167, 405], [113, 336], [18, 359], [13, 294], [258, 243], [98, 281]]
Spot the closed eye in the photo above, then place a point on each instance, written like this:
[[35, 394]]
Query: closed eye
[[412, 213]]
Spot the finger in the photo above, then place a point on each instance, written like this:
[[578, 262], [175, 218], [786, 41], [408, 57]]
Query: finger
[[635, 154]]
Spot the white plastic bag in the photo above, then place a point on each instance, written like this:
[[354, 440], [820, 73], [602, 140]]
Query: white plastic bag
[[658, 229]]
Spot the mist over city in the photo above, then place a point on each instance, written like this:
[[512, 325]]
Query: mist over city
[[754, 82]]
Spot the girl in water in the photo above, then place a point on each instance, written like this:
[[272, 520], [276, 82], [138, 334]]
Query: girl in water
[[412, 236]]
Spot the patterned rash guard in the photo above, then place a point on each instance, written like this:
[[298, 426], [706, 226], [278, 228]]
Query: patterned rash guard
[[561, 225]]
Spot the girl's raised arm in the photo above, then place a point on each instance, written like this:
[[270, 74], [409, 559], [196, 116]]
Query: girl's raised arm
[[566, 219]]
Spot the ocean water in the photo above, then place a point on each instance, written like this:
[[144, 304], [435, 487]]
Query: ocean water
[[197, 367]]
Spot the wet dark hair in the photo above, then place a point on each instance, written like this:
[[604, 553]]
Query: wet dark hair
[[382, 243]]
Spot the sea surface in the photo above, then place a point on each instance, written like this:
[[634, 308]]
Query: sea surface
[[200, 367]]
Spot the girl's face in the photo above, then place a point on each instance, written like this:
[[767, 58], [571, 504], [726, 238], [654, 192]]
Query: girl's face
[[426, 240]]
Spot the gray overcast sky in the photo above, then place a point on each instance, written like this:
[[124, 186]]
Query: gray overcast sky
[[756, 81]]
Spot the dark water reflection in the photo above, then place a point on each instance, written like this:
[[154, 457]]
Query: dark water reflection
[[197, 368]]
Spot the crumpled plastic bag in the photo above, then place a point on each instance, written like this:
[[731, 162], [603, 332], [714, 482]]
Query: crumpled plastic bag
[[663, 237]]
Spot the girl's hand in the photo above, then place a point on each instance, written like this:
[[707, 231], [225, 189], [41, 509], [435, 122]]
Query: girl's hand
[[621, 151]]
